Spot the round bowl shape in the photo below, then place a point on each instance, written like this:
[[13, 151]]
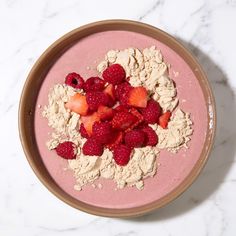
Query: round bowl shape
[[36, 78]]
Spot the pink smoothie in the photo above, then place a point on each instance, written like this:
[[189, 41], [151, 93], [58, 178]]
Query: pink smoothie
[[174, 167]]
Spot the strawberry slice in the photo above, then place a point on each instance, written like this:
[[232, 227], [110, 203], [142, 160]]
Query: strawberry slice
[[123, 120], [138, 97], [164, 119], [78, 104], [115, 140], [89, 120], [110, 90], [105, 113]]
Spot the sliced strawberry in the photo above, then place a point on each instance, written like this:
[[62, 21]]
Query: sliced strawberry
[[110, 90], [138, 97], [115, 140], [78, 104], [105, 113], [123, 120], [164, 119], [89, 120]]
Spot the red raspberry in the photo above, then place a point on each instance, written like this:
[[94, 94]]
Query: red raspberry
[[102, 132], [121, 92], [66, 150], [94, 84], [152, 112], [95, 99], [116, 138], [139, 121], [83, 131], [134, 138], [121, 108], [151, 136], [123, 120], [122, 154], [74, 80], [92, 147], [114, 74]]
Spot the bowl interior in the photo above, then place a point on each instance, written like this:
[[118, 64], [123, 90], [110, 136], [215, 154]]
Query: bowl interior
[[37, 77]]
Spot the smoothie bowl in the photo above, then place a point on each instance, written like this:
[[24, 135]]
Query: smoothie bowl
[[117, 118]]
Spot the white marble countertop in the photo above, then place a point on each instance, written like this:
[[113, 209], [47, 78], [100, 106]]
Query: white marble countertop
[[207, 28]]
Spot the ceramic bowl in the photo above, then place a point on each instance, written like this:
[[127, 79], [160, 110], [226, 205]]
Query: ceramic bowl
[[28, 104]]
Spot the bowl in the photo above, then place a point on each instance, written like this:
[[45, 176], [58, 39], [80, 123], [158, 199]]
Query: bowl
[[27, 110]]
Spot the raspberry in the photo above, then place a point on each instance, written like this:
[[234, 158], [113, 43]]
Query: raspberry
[[92, 148], [134, 138], [152, 112], [94, 84], [83, 131], [139, 121], [102, 132], [123, 120], [114, 74], [116, 138], [74, 80], [95, 99], [122, 154], [121, 92], [121, 108], [151, 136], [66, 150]]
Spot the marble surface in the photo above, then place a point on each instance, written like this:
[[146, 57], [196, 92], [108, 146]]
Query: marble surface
[[207, 28]]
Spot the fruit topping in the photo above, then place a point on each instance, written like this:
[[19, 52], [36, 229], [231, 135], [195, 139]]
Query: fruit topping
[[135, 112], [95, 99], [89, 120], [102, 132], [123, 120], [74, 80], [114, 74], [116, 138], [66, 150], [164, 119], [94, 84], [134, 138], [78, 104], [122, 154], [105, 113], [83, 131], [92, 147], [121, 92], [151, 138], [137, 97], [151, 112], [110, 90]]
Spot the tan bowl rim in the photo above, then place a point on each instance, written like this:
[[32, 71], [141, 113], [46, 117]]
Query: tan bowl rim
[[108, 212]]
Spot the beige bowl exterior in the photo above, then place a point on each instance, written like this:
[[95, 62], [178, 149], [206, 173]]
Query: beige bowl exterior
[[28, 103]]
